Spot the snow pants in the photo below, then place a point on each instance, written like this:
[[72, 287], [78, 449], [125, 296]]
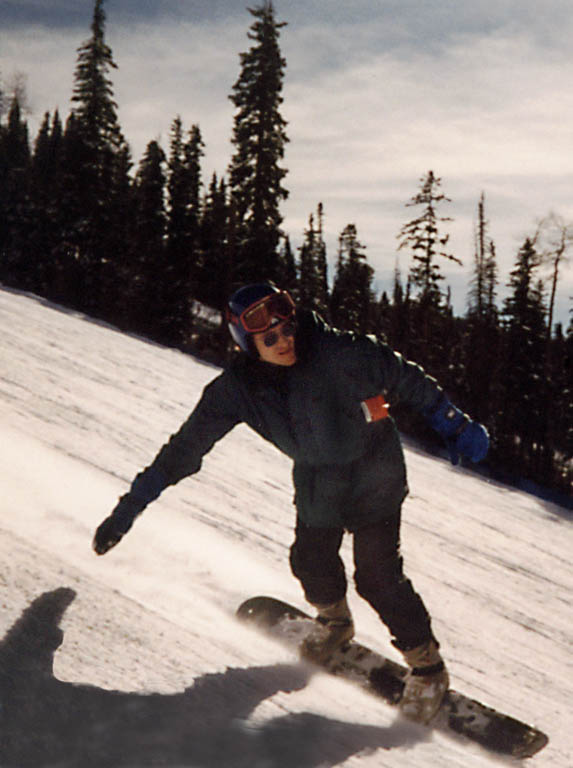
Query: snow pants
[[379, 577]]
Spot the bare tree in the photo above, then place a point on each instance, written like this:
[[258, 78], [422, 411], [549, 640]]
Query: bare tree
[[552, 240], [15, 89]]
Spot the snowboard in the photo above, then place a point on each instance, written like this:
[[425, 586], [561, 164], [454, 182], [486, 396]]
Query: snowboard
[[384, 678]]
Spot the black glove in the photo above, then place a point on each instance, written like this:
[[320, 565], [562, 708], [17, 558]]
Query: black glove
[[145, 488], [106, 536], [111, 531]]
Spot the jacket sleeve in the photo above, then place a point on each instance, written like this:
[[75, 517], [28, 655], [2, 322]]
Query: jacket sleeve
[[406, 382], [216, 413]]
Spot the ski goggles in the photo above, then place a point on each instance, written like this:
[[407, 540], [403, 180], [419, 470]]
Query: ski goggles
[[260, 316]]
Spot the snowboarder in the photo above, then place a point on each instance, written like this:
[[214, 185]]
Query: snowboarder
[[322, 396]]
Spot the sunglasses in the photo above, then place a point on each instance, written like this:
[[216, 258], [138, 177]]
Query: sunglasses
[[259, 317], [287, 330]]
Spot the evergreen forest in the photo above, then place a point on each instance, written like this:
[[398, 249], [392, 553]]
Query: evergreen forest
[[155, 249]]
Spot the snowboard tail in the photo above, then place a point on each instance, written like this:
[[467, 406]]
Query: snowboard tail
[[384, 679]]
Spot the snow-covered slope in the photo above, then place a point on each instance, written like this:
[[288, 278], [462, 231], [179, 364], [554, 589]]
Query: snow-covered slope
[[135, 658]]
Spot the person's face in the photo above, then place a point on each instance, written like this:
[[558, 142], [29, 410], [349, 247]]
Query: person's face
[[282, 352]]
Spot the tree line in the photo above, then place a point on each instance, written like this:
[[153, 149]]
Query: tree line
[[156, 249]]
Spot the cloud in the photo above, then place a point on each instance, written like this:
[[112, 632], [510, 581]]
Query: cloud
[[487, 113], [77, 14], [58, 14], [49, 84], [374, 98], [480, 94], [188, 70]]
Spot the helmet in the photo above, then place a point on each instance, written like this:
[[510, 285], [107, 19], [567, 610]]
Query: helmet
[[253, 309]]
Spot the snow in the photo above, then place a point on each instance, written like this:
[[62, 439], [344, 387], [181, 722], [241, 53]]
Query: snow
[[151, 667]]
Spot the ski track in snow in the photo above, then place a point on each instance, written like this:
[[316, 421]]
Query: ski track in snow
[[135, 659]]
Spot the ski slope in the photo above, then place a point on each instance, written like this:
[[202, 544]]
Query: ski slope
[[135, 658]]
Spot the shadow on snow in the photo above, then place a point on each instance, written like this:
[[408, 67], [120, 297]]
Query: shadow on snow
[[44, 721]]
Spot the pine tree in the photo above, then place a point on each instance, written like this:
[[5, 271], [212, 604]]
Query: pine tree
[[193, 153], [352, 295], [96, 110], [478, 287], [491, 282], [566, 439], [560, 412], [183, 270], [148, 273], [429, 315], [177, 195], [15, 207], [478, 372], [313, 283], [16, 142], [214, 286], [521, 421], [116, 244], [259, 137], [98, 161], [66, 273], [46, 195], [287, 276], [398, 330], [382, 324], [47, 160], [422, 236]]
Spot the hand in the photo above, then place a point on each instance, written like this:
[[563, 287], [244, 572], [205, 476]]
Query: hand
[[463, 436], [112, 529], [106, 536], [471, 443]]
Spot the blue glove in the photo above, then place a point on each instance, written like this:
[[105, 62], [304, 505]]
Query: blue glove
[[463, 436]]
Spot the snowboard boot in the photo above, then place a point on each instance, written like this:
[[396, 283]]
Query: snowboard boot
[[426, 682], [334, 628]]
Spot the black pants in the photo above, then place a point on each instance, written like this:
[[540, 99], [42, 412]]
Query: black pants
[[378, 576]]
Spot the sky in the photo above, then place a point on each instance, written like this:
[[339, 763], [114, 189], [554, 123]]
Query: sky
[[376, 94]]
